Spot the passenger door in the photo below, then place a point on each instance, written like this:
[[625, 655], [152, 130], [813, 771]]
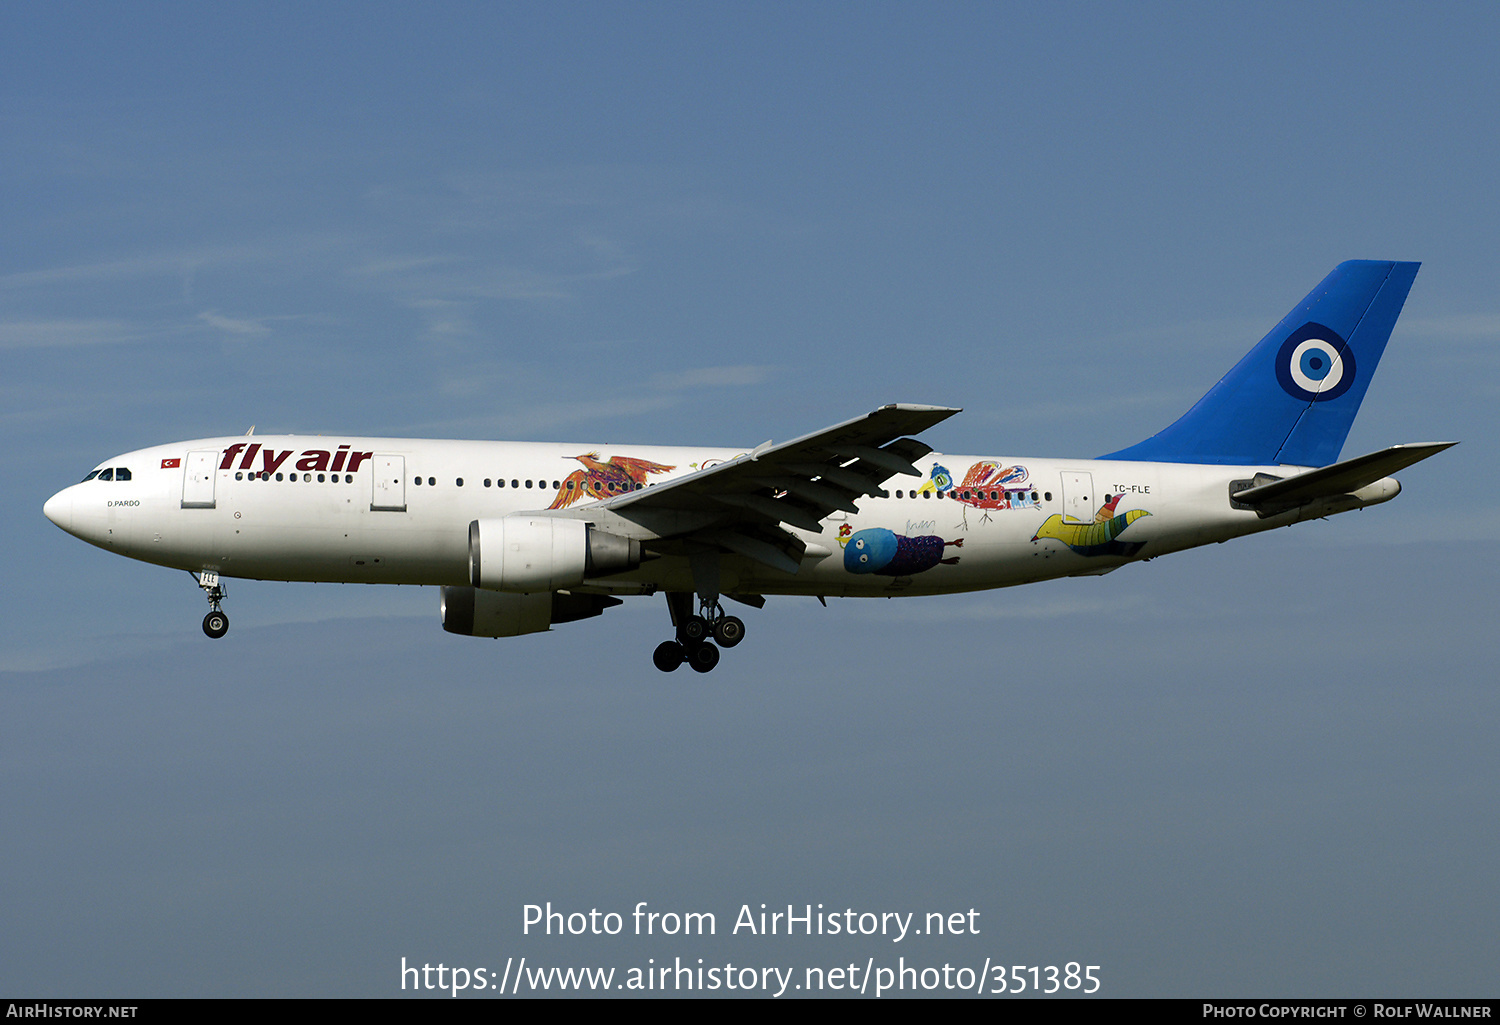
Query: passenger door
[[1079, 500], [198, 480]]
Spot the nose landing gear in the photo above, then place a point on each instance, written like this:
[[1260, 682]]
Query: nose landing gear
[[216, 623]]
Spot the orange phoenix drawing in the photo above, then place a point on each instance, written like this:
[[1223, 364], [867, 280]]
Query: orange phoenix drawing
[[597, 479]]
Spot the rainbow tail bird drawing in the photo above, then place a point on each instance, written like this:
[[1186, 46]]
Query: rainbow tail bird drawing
[[1093, 538]]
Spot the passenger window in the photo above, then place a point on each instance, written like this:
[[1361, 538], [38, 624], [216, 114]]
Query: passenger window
[[107, 474], [348, 478], [460, 482], [515, 483], [431, 482], [278, 476], [121, 473], [570, 485], [486, 482], [528, 484], [239, 476], [320, 478], [307, 478], [1049, 496], [927, 494]]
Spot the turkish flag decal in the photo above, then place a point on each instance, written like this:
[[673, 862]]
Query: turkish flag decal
[[170, 464]]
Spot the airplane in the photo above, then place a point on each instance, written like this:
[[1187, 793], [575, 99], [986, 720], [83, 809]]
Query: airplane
[[520, 537]]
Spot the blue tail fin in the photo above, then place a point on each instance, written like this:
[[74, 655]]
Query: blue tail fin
[[1293, 397]]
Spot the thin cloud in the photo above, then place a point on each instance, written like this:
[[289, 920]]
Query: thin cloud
[[83, 651], [1468, 327], [1051, 411], [1022, 607], [63, 334], [399, 265], [529, 420], [232, 325], [419, 282], [173, 263], [1226, 331], [712, 377]]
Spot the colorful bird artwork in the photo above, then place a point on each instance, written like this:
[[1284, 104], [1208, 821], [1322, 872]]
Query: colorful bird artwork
[[877, 550], [986, 486], [1093, 538], [989, 486], [599, 480], [938, 482]]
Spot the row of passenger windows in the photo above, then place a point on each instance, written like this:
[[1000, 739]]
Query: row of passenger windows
[[121, 473], [557, 484], [265, 475], [967, 496], [994, 496]]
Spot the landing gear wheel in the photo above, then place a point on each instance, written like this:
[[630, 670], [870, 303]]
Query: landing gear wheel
[[729, 631], [216, 624], [694, 629], [668, 656], [703, 658]]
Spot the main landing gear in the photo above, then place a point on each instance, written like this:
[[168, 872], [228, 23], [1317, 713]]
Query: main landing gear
[[697, 634], [216, 623]]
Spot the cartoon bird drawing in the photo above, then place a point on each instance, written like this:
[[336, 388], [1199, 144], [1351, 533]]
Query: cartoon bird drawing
[[598, 480], [1107, 510], [939, 481], [978, 482], [1093, 538], [877, 550]]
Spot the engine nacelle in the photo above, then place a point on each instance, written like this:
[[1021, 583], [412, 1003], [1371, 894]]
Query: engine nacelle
[[526, 554], [476, 613]]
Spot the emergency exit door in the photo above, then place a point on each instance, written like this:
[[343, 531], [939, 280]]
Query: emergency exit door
[[388, 484]]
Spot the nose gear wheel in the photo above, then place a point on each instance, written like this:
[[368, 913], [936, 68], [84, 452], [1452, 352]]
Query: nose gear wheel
[[216, 623]]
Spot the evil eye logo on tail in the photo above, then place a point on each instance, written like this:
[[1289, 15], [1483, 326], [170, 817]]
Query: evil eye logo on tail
[[1315, 364]]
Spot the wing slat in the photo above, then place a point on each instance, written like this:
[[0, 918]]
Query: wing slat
[[797, 482]]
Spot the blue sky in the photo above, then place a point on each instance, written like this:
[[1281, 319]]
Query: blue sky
[[1258, 769]]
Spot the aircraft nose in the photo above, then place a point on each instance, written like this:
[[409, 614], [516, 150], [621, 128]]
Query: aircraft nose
[[59, 509]]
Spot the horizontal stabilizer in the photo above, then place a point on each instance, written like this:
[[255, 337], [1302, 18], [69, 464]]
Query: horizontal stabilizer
[[1340, 478]]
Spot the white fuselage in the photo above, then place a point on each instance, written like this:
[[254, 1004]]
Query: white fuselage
[[397, 511]]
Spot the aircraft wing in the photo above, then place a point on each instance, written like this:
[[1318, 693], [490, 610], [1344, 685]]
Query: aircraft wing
[[739, 505]]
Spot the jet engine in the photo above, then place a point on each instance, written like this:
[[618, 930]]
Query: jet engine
[[476, 613], [528, 553]]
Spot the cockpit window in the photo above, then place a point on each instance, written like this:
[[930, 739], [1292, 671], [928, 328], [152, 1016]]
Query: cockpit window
[[121, 473], [106, 474], [91, 476]]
